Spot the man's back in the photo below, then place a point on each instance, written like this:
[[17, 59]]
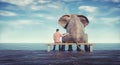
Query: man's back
[[57, 36]]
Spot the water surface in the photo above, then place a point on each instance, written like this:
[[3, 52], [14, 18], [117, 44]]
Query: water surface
[[42, 46]]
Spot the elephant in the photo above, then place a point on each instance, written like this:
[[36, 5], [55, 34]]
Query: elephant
[[74, 25]]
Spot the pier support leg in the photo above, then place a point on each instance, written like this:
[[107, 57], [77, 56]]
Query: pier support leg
[[49, 48], [91, 48], [88, 48]]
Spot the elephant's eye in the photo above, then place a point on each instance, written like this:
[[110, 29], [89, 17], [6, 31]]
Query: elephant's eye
[[83, 20]]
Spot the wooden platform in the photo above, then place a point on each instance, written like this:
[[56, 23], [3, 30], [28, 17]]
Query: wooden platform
[[38, 57], [89, 44]]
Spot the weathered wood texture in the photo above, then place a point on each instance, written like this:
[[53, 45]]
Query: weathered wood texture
[[37, 57], [70, 44], [90, 45]]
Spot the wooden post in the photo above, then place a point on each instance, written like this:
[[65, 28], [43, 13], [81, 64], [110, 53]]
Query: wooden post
[[49, 47], [91, 48]]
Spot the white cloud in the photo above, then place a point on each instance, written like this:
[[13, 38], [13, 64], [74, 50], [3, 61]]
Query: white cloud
[[18, 2], [29, 6], [30, 3], [43, 1], [7, 13], [18, 24], [71, 0], [35, 8], [112, 10], [47, 6], [89, 9], [25, 22], [106, 20], [115, 1], [48, 17], [53, 6], [110, 21]]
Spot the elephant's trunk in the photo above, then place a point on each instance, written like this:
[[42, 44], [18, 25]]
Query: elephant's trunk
[[75, 28]]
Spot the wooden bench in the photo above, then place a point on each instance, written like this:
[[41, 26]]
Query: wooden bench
[[89, 44]]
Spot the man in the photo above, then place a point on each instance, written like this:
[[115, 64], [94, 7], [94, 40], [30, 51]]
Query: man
[[56, 37]]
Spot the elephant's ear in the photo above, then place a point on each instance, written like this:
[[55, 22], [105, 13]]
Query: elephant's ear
[[63, 21], [84, 20]]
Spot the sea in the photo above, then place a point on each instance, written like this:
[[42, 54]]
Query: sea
[[42, 46]]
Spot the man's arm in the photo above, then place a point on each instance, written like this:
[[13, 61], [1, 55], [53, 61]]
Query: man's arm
[[65, 34]]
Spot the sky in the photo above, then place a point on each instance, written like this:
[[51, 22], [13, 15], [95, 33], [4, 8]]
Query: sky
[[35, 21]]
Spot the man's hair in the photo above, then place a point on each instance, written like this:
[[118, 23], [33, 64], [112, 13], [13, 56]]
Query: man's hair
[[57, 30]]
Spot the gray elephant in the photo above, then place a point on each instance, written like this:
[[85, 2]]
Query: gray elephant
[[74, 25]]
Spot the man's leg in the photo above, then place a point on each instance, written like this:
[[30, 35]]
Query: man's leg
[[54, 47], [59, 47]]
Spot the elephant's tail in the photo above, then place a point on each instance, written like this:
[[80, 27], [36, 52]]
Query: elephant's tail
[[77, 45]]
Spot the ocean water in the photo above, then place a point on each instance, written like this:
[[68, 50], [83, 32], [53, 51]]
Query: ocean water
[[38, 46]]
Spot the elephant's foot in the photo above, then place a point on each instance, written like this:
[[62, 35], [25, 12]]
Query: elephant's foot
[[70, 48], [87, 48]]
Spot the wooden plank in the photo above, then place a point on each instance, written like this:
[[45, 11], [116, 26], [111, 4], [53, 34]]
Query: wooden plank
[[70, 44]]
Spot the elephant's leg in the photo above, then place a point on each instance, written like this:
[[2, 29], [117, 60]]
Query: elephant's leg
[[70, 48], [67, 39], [86, 47]]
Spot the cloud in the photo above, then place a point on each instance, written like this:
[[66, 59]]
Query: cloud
[[31, 6], [106, 20], [71, 0], [45, 16], [31, 3], [20, 23], [89, 9], [115, 1], [7, 13], [53, 6], [43, 1], [35, 8], [110, 20], [25, 22], [112, 11], [47, 6], [119, 5], [18, 2]]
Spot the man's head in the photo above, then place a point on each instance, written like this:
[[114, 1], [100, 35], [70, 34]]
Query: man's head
[[57, 30]]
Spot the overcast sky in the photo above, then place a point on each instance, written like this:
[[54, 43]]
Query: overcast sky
[[35, 21]]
